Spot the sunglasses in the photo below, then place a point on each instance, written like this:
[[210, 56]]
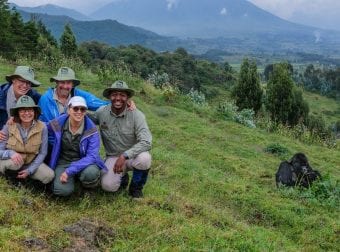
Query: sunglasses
[[76, 109]]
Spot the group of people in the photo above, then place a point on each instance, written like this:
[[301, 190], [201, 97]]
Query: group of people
[[52, 139]]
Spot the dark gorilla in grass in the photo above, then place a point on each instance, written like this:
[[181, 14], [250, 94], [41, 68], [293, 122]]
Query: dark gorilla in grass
[[296, 172]]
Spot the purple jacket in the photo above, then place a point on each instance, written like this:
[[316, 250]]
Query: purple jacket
[[89, 145]]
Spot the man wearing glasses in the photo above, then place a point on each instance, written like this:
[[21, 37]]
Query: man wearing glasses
[[19, 83]]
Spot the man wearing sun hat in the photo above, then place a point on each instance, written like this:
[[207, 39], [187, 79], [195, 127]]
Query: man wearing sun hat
[[54, 102], [19, 83], [126, 139]]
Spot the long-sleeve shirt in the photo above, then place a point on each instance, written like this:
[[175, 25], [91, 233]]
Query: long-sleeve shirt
[[38, 160], [126, 133]]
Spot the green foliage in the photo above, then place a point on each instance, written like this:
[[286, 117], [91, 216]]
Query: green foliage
[[159, 80], [284, 101], [276, 148], [197, 97], [230, 111], [247, 92], [68, 44]]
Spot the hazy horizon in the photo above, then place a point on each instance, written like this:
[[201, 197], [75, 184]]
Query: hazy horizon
[[318, 13]]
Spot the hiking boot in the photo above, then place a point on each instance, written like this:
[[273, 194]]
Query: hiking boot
[[138, 181], [124, 182]]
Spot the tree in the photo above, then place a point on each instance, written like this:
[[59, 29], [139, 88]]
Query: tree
[[5, 27], [247, 92], [280, 94], [68, 45], [284, 100]]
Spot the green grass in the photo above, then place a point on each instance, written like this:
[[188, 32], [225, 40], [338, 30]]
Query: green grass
[[211, 188]]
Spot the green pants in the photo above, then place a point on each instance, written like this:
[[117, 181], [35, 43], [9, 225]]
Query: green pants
[[89, 178]]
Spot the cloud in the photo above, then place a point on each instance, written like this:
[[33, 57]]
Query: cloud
[[287, 8], [171, 4], [223, 11]]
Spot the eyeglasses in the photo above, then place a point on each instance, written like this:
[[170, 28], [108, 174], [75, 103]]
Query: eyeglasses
[[76, 109]]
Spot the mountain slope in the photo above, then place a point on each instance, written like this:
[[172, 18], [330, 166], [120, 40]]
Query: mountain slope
[[198, 18], [51, 9], [106, 31], [210, 188]]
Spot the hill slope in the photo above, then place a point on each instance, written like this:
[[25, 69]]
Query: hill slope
[[53, 10], [211, 188]]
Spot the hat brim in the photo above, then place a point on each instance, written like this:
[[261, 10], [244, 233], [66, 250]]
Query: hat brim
[[108, 91], [75, 82], [34, 83], [13, 111]]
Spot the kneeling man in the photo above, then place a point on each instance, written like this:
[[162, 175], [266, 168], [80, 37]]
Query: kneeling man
[[126, 139]]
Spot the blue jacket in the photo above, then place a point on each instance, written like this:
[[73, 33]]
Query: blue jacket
[[49, 107], [89, 145], [3, 98]]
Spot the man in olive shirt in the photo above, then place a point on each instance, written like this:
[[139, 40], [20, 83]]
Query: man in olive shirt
[[126, 139]]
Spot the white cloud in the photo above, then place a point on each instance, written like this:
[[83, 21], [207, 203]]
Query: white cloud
[[287, 8], [223, 11], [171, 4]]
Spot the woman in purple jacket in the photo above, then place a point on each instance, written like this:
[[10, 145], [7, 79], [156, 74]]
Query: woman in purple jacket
[[75, 153]]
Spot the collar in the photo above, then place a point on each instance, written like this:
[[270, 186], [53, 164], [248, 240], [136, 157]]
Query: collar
[[121, 114]]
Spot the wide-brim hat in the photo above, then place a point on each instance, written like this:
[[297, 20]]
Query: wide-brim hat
[[25, 101], [24, 72], [118, 86], [64, 74]]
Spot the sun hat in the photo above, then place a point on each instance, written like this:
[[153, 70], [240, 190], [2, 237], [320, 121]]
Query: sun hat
[[24, 72], [24, 101], [118, 86], [64, 74], [77, 101]]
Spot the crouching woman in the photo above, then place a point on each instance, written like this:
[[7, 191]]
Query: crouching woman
[[75, 152], [25, 145]]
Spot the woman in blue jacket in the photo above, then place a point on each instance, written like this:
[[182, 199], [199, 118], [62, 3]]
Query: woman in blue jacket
[[75, 153]]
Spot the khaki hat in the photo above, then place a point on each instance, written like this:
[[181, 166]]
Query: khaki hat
[[26, 73], [24, 101], [118, 86], [64, 74]]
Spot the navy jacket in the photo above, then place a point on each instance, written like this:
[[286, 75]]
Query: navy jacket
[[3, 98]]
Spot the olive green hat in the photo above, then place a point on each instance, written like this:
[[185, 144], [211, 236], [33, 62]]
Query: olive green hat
[[118, 86], [24, 101], [64, 74], [24, 72]]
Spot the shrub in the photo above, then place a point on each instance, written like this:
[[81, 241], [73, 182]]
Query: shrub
[[276, 148], [197, 97], [159, 80], [229, 111]]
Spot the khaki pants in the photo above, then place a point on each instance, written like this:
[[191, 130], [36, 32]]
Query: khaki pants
[[110, 181], [44, 173]]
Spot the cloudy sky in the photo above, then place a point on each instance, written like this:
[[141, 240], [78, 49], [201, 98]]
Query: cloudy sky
[[321, 13]]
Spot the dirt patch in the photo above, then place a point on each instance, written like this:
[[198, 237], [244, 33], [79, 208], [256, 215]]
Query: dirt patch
[[89, 236]]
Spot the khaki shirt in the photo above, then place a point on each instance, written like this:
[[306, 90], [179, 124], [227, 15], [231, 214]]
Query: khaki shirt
[[125, 133]]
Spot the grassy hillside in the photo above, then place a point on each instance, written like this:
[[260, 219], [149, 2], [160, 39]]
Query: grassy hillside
[[211, 188]]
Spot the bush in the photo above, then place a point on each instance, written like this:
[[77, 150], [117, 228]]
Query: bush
[[197, 97], [277, 149], [159, 80], [229, 111]]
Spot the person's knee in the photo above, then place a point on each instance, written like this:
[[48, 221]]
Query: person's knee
[[109, 185], [142, 161], [62, 189], [90, 176]]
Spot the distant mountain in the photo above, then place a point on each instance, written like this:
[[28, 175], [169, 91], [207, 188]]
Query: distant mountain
[[106, 31], [51, 9], [198, 18], [256, 32]]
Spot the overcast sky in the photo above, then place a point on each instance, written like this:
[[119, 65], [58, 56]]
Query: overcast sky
[[323, 13]]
